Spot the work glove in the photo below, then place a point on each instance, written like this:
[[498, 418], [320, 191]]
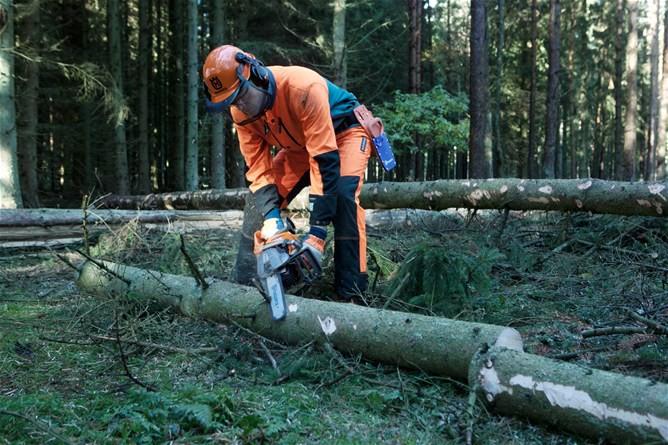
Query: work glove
[[314, 241], [273, 229]]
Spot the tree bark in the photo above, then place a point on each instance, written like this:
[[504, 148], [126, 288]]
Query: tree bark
[[48, 224], [116, 67], [340, 61], [143, 167], [590, 402], [630, 127], [553, 91], [649, 172], [478, 106], [47, 218], [586, 401], [414, 46], [661, 170], [28, 114], [619, 93], [217, 119], [415, 76], [573, 195], [192, 151], [203, 199], [10, 188], [177, 166], [533, 91], [498, 161], [435, 345]]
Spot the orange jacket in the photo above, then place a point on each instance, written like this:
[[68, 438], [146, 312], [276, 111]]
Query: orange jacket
[[299, 119]]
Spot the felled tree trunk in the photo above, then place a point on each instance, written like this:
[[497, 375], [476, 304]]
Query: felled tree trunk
[[435, 345], [572, 195], [55, 227], [200, 200], [570, 397], [58, 217], [593, 403]]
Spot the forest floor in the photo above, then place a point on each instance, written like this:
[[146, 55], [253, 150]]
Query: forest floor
[[66, 376]]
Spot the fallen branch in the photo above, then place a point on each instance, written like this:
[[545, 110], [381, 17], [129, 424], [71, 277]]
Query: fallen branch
[[613, 330], [271, 358], [157, 346], [191, 264], [124, 359], [653, 326]]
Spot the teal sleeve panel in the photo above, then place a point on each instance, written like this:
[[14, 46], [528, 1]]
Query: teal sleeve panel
[[341, 102]]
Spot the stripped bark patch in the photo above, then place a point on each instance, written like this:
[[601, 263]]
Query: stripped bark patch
[[585, 185], [565, 396], [328, 325]]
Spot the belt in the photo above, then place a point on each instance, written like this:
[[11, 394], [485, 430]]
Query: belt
[[342, 123]]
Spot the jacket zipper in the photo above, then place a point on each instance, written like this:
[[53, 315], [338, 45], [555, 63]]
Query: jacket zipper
[[280, 125]]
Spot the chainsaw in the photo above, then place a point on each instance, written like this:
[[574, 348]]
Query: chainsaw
[[283, 265]]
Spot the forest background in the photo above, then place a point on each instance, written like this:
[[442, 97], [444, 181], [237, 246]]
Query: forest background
[[105, 96]]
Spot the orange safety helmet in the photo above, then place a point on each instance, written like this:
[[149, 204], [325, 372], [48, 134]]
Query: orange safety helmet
[[228, 70], [222, 73]]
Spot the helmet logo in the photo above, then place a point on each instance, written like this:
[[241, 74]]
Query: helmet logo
[[216, 83]]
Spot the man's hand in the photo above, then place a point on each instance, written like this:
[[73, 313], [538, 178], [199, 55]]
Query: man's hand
[[314, 241], [272, 230], [272, 227]]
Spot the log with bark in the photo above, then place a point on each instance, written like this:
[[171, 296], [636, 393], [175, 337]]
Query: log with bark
[[435, 345], [597, 404], [574, 195], [47, 217], [37, 228], [56, 227]]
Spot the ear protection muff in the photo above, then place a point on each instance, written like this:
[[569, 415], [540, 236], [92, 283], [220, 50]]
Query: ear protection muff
[[258, 70]]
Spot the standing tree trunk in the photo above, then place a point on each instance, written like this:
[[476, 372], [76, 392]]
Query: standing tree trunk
[[552, 112], [10, 189], [653, 119], [619, 94], [143, 176], [415, 46], [28, 116], [533, 90], [497, 151], [340, 62], [415, 75], [478, 91], [192, 165], [178, 96], [116, 68], [630, 127], [86, 111], [663, 114], [217, 119]]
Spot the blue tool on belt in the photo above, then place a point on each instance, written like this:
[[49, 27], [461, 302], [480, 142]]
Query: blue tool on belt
[[374, 128]]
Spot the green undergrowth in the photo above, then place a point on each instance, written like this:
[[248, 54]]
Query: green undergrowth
[[78, 369]]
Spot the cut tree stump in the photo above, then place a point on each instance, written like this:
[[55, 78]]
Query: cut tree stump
[[573, 195]]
